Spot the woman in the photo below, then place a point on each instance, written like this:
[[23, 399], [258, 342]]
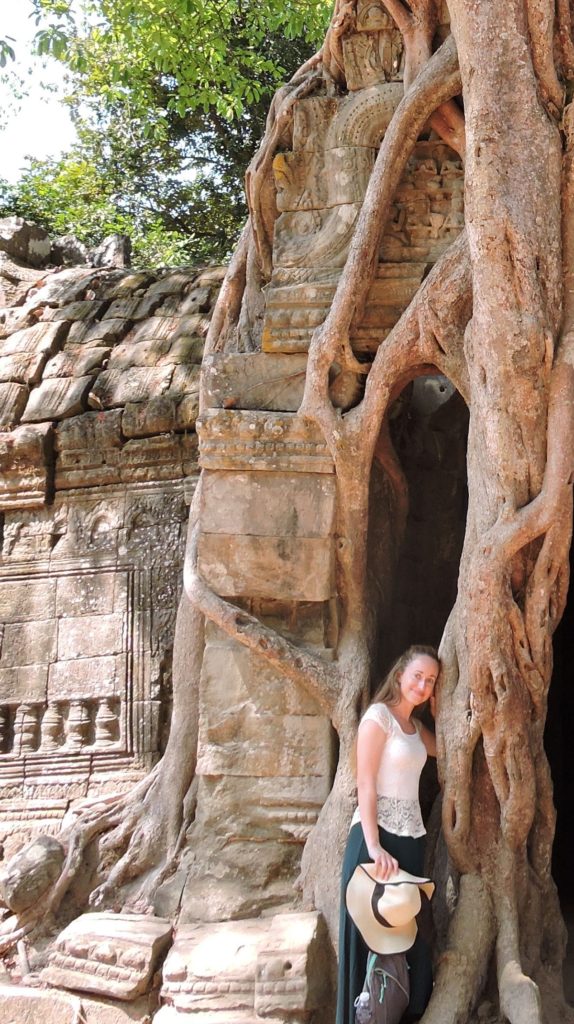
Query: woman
[[387, 827]]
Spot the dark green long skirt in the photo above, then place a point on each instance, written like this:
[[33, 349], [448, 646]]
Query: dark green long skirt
[[352, 950]]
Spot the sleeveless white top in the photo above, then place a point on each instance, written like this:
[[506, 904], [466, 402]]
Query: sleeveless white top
[[398, 775]]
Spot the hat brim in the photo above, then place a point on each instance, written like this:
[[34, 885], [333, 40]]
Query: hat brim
[[378, 937], [400, 876]]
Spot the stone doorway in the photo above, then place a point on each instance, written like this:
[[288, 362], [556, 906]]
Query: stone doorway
[[429, 428]]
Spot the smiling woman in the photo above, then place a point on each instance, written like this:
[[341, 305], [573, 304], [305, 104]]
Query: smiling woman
[[387, 827]]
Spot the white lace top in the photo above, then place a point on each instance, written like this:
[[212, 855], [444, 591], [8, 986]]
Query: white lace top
[[398, 775]]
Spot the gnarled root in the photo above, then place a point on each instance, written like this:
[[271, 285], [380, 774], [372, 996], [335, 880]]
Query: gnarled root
[[463, 965]]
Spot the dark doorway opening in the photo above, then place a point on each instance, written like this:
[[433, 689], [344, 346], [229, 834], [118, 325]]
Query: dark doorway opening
[[558, 739], [429, 429]]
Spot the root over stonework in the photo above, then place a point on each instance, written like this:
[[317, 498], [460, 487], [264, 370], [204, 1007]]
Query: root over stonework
[[495, 315]]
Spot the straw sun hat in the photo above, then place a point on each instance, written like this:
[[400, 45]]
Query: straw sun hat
[[384, 912]]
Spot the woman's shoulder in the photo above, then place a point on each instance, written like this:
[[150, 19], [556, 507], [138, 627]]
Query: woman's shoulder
[[380, 714]]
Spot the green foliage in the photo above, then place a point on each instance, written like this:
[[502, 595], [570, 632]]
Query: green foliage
[[205, 54], [170, 99]]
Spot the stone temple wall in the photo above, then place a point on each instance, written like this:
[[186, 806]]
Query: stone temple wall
[[99, 377]]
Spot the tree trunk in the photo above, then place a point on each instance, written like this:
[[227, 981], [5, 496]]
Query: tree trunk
[[496, 315]]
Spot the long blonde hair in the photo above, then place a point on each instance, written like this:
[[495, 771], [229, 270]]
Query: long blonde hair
[[389, 692]]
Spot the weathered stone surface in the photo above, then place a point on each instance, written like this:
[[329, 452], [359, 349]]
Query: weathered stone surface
[[268, 504], [68, 250], [114, 251], [262, 745], [144, 419], [297, 569], [42, 338], [24, 241], [315, 238], [76, 361], [28, 643], [257, 380], [13, 398], [114, 387], [25, 466], [27, 683], [57, 398], [22, 1005], [102, 332], [261, 440], [22, 368], [86, 309], [85, 636], [304, 183], [372, 57], [30, 872], [245, 970], [111, 954], [293, 311], [145, 353], [85, 676]]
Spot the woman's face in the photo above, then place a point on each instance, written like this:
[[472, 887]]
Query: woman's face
[[418, 679]]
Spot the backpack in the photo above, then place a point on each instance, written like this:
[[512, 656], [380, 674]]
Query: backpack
[[386, 991]]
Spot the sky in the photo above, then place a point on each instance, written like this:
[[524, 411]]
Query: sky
[[39, 124]]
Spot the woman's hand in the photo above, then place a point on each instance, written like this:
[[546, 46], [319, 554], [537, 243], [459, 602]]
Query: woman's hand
[[385, 865]]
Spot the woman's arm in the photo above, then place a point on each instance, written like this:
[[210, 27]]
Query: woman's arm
[[370, 743]]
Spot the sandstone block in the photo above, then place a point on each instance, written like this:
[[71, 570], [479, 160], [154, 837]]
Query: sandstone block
[[28, 643], [92, 430], [298, 569], [26, 683], [268, 504], [145, 353], [315, 238], [244, 970], [22, 367], [143, 419], [234, 676], [13, 398], [30, 872], [88, 635], [185, 350], [111, 954], [102, 332], [186, 414], [24, 241], [57, 398], [25, 465], [185, 380], [198, 300], [27, 600], [114, 387], [76, 361], [89, 593], [156, 327], [255, 440], [42, 337], [84, 677], [259, 380], [22, 1005], [236, 742], [86, 309], [271, 806], [311, 119]]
